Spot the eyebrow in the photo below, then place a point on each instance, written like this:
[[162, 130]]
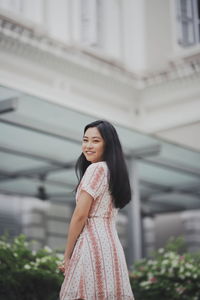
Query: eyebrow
[[94, 137]]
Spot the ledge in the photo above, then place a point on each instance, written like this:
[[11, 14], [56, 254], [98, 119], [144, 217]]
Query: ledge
[[36, 38]]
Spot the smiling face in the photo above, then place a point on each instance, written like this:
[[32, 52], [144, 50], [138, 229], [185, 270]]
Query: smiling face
[[93, 145]]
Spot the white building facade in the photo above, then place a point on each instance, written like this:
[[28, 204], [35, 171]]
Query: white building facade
[[133, 62], [153, 44]]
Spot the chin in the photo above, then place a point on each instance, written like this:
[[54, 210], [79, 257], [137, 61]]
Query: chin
[[89, 159]]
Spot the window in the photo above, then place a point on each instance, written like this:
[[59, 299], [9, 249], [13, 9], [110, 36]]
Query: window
[[188, 18], [198, 18]]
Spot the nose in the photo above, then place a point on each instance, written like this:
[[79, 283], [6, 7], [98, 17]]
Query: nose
[[89, 145]]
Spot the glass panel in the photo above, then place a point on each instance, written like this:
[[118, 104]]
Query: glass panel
[[30, 187], [177, 199], [67, 176], [186, 22], [164, 177], [199, 32], [6, 93], [13, 163], [50, 114], [38, 143], [191, 33], [145, 191], [56, 135], [186, 9], [133, 140], [189, 12], [180, 155], [198, 5], [178, 8], [188, 32]]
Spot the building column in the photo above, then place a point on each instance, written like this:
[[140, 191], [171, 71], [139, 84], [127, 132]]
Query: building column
[[134, 34], [134, 216]]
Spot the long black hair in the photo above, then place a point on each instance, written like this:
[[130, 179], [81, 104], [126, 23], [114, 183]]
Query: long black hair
[[119, 184]]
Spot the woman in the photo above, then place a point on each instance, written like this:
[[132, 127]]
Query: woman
[[94, 263]]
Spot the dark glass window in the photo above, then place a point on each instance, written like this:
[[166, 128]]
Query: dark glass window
[[188, 17]]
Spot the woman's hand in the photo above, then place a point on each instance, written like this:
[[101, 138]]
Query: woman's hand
[[66, 263], [63, 266]]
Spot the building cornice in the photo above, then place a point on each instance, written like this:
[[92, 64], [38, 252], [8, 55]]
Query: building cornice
[[24, 37]]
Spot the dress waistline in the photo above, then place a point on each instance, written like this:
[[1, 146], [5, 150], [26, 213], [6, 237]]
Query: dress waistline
[[101, 217]]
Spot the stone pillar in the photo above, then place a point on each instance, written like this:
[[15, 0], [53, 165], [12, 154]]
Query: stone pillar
[[134, 215]]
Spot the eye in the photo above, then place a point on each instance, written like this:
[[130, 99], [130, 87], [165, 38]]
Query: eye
[[96, 141]]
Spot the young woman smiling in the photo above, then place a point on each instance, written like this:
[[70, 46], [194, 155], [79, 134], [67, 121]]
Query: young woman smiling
[[94, 263], [93, 145]]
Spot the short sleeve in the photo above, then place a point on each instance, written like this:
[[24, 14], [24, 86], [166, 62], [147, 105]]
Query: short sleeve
[[94, 179]]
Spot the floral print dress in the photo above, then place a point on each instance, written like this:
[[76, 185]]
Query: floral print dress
[[97, 269]]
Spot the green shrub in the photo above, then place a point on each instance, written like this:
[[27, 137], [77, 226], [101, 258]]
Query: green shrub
[[169, 275], [28, 275]]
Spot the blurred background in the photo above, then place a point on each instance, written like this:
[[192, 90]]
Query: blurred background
[[65, 63]]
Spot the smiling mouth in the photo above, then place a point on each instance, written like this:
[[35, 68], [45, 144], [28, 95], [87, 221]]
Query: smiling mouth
[[89, 152]]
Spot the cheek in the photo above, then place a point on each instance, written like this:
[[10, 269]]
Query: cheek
[[102, 148]]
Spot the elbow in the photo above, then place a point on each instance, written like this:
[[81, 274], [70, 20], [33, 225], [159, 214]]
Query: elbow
[[80, 217]]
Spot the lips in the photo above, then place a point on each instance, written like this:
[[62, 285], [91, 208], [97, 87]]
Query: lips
[[89, 152]]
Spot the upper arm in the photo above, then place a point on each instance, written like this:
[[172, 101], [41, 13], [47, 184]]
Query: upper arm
[[83, 204], [91, 187], [94, 180]]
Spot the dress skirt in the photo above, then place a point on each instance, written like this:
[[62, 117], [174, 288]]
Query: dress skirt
[[97, 269]]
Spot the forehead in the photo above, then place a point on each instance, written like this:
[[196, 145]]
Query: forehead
[[92, 132]]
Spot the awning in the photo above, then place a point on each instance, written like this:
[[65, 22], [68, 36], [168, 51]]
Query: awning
[[40, 143]]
